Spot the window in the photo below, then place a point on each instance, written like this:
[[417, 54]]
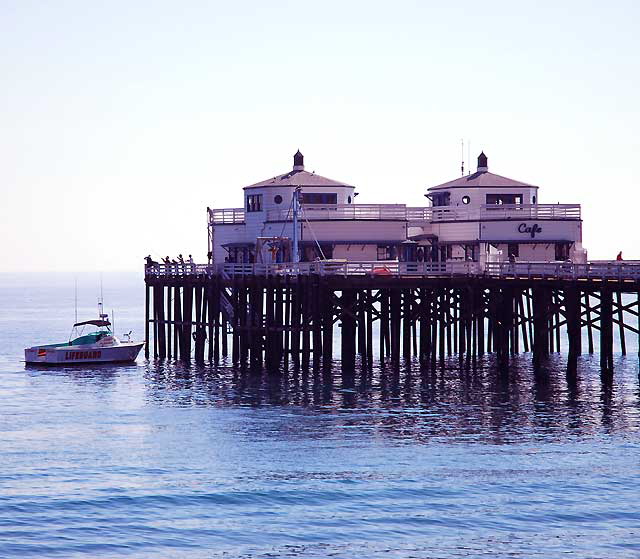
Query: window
[[387, 252], [471, 253], [325, 198], [311, 253], [446, 252], [562, 251], [513, 249], [240, 255], [348, 199], [441, 199], [254, 202], [533, 200], [277, 199], [466, 199], [500, 199]]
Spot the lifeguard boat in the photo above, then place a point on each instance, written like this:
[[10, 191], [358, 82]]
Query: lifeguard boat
[[99, 346]]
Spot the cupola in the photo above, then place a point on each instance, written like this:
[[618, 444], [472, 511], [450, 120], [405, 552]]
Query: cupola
[[298, 161], [483, 164]]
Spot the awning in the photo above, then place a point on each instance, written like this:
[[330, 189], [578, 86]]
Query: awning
[[354, 242], [503, 241], [238, 245], [423, 237], [98, 323]]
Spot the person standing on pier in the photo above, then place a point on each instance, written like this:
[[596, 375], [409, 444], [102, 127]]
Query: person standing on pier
[[192, 267], [619, 257]]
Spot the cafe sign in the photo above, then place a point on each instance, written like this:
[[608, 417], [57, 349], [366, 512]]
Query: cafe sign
[[529, 231]]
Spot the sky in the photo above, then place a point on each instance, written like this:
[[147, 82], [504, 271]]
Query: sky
[[120, 122]]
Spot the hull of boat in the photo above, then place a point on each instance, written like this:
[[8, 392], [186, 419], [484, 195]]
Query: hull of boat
[[73, 355]]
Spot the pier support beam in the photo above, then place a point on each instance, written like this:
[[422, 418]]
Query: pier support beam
[[606, 330], [275, 318]]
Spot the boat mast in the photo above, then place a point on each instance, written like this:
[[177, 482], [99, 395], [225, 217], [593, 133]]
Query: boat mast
[[296, 207]]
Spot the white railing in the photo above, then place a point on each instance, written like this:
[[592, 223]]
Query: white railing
[[322, 268], [226, 216], [315, 212], [604, 270], [494, 211], [429, 213], [530, 211]]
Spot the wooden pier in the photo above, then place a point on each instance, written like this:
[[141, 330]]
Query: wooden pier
[[274, 316]]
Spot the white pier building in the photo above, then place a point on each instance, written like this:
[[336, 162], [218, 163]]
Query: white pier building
[[481, 217]]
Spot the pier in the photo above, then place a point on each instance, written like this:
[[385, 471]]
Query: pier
[[302, 274], [270, 316]]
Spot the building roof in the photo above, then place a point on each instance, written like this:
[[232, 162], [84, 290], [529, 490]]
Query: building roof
[[482, 178], [298, 177]]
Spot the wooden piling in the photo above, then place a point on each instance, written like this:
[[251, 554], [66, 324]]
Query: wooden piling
[[623, 342], [606, 330], [147, 288]]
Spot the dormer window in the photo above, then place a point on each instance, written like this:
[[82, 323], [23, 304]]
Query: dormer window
[[254, 203]]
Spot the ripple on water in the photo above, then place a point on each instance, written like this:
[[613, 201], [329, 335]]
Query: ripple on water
[[163, 460]]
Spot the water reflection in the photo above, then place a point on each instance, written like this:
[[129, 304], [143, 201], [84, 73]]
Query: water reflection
[[95, 373], [411, 402]]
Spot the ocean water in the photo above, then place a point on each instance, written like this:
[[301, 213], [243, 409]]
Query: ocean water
[[162, 460]]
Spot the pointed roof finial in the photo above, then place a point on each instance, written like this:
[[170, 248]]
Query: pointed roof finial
[[298, 161], [483, 165]]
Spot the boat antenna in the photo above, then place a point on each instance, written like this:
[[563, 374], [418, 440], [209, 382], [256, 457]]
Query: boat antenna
[[462, 157], [76, 300], [101, 302], [113, 321]]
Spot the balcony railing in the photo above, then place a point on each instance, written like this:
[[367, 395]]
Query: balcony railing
[[428, 214], [317, 212], [431, 214], [494, 211], [226, 216]]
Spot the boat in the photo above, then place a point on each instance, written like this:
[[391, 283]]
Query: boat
[[98, 346]]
